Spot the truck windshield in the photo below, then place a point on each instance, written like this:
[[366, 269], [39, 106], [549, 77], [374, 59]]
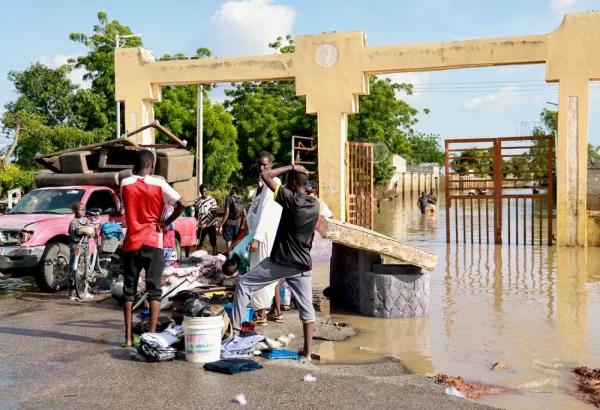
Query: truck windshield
[[50, 201]]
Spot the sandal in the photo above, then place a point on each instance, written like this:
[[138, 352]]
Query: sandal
[[136, 342], [260, 321], [286, 307], [275, 318]]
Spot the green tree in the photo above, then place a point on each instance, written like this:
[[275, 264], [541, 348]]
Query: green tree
[[99, 65], [43, 91], [425, 148], [177, 112]]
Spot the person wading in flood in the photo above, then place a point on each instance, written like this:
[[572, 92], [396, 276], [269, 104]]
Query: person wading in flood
[[144, 199], [422, 202], [263, 220], [290, 258]]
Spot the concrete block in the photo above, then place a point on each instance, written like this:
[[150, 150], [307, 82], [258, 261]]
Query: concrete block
[[75, 162], [187, 189], [175, 165]]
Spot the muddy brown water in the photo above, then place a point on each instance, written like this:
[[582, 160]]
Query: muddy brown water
[[530, 307]]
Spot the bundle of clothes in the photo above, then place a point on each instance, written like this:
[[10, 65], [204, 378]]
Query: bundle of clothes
[[199, 270]]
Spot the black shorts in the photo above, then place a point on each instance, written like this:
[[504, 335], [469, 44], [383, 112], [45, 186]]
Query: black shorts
[[211, 231], [152, 260], [230, 232]]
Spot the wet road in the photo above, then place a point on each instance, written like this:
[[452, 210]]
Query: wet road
[[59, 355]]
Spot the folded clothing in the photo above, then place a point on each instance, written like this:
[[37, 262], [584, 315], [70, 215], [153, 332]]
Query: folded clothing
[[152, 351], [232, 366], [240, 346], [280, 354]]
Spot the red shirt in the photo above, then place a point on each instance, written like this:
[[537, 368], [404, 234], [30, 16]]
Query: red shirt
[[144, 199]]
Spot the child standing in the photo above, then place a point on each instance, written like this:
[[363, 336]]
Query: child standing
[[78, 221]]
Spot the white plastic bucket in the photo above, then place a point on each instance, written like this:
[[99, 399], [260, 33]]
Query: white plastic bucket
[[203, 338]]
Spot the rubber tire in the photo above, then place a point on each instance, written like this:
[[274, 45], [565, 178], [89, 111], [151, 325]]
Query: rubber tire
[[81, 279], [45, 279]]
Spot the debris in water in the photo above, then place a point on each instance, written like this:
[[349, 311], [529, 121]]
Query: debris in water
[[240, 398], [453, 391], [469, 390], [588, 381], [499, 366], [310, 378]]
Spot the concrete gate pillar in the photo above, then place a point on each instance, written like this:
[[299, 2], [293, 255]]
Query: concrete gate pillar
[[571, 167]]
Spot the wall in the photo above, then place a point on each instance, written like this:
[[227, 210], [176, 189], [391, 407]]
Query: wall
[[410, 180]]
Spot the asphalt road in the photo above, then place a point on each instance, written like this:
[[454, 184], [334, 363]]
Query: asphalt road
[[58, 355]]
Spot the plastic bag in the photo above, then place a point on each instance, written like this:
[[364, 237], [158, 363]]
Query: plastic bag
[[197, 306], [453, 391]]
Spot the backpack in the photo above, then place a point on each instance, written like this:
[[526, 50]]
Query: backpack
[[236, 209]]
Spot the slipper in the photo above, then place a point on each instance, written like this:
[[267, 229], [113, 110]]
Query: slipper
[[275, 318], [286, 307], [136, 342], [260, 321]]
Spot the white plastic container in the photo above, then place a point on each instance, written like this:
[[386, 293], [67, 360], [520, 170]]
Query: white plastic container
[[203, 338]]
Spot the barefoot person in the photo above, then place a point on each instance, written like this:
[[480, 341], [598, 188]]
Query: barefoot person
[[263, 220], [290, 258], [144, 199]]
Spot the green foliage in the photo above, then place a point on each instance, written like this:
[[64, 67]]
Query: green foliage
[[45, 92], [177, 112], [99, 64], [14, 177], [425, 148]]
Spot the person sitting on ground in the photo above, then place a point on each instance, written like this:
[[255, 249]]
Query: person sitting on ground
[[234, 218], [78, 221], [422, 202], [432, 197], [290, 258], [206, 211]]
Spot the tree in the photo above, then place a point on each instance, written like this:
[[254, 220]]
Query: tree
[[177, 112], [99, 65], [43, 91]]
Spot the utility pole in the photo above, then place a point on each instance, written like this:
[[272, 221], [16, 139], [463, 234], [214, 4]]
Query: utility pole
[[118, 45], [199, 135], [118, 102]]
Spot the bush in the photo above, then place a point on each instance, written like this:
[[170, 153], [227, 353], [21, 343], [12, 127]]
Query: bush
[[14, 177]]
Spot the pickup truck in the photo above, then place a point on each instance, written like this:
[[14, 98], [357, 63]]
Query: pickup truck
[[34, 235]]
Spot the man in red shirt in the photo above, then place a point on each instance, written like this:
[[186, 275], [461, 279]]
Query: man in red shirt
[[144, 198]]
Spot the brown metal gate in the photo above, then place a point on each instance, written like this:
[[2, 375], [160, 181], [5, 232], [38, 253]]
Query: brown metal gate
[[500, 190], [359, 186]]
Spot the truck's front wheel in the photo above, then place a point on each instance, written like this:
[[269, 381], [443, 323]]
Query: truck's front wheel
[[54, 268]]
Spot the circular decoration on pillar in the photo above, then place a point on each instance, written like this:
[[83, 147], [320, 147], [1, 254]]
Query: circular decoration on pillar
[[327, 55]]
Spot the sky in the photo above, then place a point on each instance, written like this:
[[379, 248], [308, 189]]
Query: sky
[[467, 103]]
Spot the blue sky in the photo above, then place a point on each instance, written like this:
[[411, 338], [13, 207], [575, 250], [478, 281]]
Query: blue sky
[[473, 103]]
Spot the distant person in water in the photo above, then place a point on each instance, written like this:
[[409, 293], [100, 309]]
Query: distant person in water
[[422, 202], [432, 197]]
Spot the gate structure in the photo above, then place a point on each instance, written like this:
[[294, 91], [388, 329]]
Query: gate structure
[[359, 188], [500, 190]]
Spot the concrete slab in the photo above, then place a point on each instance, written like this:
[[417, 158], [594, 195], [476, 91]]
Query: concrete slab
[[371, 241]]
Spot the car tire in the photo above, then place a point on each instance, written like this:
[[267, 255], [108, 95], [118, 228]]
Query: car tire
[[53, 268]]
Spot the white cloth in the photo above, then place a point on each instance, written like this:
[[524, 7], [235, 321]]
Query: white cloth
[[263, 220]]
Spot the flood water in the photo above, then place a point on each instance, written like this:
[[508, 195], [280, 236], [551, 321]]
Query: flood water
[[530, 307]]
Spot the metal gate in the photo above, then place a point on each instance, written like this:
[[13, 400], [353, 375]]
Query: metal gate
[[359, 186], [500, 190]]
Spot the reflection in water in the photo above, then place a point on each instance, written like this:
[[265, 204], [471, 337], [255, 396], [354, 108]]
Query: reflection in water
[[526, 306]]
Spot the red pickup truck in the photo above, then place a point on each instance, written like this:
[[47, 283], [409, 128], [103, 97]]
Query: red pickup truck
[[34, 235]]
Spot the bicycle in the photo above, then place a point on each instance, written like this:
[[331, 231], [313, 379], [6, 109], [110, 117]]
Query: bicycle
[[98, 265]]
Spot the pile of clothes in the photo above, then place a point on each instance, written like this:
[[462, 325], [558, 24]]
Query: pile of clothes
[[200, 269], [158, 347], [249, 343]]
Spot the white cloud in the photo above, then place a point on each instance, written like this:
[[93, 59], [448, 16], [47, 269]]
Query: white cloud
[[562, 5], [417, 79], [76, 76], [247, 27], [499, 100]]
